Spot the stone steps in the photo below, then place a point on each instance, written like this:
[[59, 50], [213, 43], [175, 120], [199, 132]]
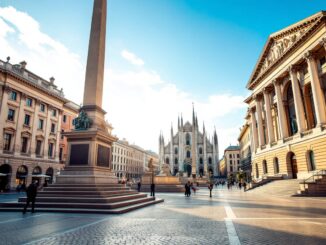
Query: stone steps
[[286, 187], [84, 199], [90, 198], [120, 210], [316, 187]]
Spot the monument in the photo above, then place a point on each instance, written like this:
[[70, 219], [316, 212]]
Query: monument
[[89, 145]]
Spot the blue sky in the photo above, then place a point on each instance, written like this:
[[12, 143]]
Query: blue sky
[[201, 50]]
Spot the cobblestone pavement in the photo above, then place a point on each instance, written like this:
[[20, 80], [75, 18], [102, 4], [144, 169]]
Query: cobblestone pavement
[[230, 217]]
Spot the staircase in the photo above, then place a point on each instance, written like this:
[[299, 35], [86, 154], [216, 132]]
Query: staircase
[[314, 185], [286, 187], [85, 198]]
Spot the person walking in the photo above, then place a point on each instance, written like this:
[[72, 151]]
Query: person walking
[[152, 190], [139, 185], [210, 187], [244, 186], [31, 192]]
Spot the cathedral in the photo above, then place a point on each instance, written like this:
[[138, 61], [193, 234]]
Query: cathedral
[[189, 150]]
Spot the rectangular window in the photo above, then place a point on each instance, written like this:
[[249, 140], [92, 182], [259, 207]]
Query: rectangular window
[[60, 153], [230, 155], [62, 131], [38, 147], [231, 169], [238, 155], [52, 128], [40, 123], [11, 115], [13, 95], [27, 119], [24, 144], [64, 118], [29, 102], [42, 107], [54, 113], [50, 151], [7, 142]]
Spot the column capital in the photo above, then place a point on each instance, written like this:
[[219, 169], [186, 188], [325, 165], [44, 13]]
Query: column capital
[[277, 82], [293, 68], [258, 96], [323, 42], [309, 55]]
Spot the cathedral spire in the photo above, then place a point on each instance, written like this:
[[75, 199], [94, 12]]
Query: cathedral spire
[[181, 121], [178, 122], [193, 115], [204, 128]]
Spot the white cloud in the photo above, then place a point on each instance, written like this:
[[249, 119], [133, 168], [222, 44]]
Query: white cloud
[[138, 101], [44, 55], [132, 58]]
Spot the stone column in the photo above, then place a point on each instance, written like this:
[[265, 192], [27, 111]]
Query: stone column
[[57, 143], [47, 132], [319, 101], [34, 129], [260, 120], [3, 114], [19, 125], [298, 104], [254, 129], [280, 111], [269, 119]]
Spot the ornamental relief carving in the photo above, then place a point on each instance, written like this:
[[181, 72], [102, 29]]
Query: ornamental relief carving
[[279, 47]]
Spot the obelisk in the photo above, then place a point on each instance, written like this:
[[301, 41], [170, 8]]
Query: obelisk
[[89, 145]]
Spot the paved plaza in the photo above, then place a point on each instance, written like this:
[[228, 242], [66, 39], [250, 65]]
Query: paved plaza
[[230, 217]]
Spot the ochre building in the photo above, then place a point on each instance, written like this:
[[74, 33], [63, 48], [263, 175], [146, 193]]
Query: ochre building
[[287, 112], [33, 112]]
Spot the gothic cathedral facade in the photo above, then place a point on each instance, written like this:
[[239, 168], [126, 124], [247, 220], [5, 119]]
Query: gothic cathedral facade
[[190, 151]]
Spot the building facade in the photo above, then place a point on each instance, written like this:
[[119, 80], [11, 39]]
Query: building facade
[[31, 114], [190, 150], [287, 111], [232, 160], [222, 167], [130, 161], [245, 150]]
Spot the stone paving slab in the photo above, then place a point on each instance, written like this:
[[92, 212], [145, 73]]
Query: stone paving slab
[[230, 217]]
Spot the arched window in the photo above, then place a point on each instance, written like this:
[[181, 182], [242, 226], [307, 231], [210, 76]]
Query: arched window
[[200, 150], [188, 139], [292, 121], [209, 160], [176, 150], [311, 161], [265, 170], [276, 166], [257, 171], [175, 160], [200, 160], [188, 154], [167, 160]]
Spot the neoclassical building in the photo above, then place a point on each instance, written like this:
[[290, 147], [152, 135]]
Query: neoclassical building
[[190, 150], [130, 161], [33, 113], [287, 112]]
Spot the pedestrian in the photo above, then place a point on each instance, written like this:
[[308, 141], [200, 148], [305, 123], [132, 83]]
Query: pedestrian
[[244, 186], [240, 185], [139, 185], [152, 190], [187, 189], [31, 195], [210, 187]]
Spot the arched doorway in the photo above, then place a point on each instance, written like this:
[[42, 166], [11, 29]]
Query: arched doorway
[[36, 174], [292, 165], [188, 169], [201, 172], [5, 175], [21, 176], [49, 172]]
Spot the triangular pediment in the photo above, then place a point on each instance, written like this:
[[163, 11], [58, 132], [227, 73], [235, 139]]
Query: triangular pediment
[[280, 43]]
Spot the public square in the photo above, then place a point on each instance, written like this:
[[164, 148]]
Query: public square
[[229, 217]]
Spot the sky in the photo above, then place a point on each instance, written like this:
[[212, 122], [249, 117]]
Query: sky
[[161, 56]]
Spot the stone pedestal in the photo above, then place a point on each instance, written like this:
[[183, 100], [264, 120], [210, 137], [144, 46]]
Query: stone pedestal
[[89, 158]]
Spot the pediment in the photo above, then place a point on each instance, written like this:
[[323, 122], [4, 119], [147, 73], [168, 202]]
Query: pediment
[[280, 43]]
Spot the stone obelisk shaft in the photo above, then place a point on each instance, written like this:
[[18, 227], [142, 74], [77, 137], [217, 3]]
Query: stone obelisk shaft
[[93, 90]]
